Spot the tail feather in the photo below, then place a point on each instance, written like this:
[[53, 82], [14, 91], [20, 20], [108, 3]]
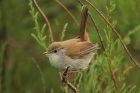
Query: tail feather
[[82, 31]]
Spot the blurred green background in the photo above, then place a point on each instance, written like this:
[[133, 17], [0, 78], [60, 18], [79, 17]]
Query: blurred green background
[[18, 73]]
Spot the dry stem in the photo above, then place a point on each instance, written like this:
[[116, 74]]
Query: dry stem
[[45, 18], [113, 77], [68, 12], [58, 28], [40, 72]]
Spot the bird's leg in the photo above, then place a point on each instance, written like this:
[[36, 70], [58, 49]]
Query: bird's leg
[[65, 76], [65, 81]]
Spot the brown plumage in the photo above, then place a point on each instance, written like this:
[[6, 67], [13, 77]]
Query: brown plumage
[[76, 52], [82, 31]]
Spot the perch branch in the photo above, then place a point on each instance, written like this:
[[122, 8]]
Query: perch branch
[[65, 89], [65, 80]]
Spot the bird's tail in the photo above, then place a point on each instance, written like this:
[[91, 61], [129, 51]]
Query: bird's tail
[[82, 31]]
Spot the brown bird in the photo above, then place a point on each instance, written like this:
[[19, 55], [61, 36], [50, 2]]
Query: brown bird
[[76, 53]]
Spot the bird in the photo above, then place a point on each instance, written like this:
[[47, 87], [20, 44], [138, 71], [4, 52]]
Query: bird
[[77, 53]]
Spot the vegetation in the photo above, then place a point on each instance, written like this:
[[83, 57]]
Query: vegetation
[[24, 37]]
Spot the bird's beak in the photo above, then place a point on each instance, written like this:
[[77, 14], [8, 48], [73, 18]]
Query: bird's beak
[[45, 52]]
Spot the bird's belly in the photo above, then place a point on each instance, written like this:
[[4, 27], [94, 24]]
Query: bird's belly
[[62, 62]]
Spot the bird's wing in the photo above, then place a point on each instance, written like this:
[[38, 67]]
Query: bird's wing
[[78, 49]]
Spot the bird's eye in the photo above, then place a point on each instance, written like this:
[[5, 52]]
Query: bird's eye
[[54, 50]]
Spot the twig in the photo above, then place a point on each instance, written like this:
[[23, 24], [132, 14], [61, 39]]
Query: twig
[[113, 77], [96, 27], [72, 87], [133, 60], [65, 80], [58, 28], [101, 39], [40, 72], [64, 75], [68, 12], [45, 18], [65, 89]]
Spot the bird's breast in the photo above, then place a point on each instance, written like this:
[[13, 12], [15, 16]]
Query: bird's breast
[[61, 62]]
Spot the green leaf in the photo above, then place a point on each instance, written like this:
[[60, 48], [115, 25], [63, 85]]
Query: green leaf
[[35, 37], [43, 29], [131, 89], [63, 32]]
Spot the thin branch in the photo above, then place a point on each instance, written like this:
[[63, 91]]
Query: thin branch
[[65, 89], [65, 80], [40, 72], [72, 87], [127, 51], [101, 39], [45, 18], [58, 28], [113, 77], [96, 27], [68, 12]]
